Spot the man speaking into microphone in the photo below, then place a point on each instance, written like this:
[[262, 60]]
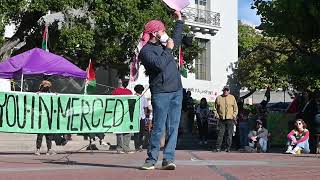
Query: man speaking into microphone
[[165, 86]]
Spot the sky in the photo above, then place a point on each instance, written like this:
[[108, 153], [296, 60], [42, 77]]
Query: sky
[[246, 14]]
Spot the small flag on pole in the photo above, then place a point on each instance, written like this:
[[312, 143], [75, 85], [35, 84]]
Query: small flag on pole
[[134, 68], [45, 38], [91, 79], [135, 63], [183, 70]]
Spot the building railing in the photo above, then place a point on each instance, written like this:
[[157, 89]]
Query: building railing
[[200, 16]]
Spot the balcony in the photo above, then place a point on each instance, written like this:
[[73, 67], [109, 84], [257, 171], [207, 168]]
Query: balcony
[[206, 22]]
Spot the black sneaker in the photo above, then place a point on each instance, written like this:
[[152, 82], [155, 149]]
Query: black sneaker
[[168, 165], [216, 150], [228, 150], [147, 166]]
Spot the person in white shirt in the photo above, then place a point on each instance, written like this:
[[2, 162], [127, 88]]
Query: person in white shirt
[[138, 137]]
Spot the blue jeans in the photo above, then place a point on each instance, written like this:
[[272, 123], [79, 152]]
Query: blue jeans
[[243, 133], [166, 116], [303, 145], [263, 144]]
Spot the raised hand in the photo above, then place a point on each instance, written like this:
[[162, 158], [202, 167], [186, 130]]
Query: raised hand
[[178, 15]]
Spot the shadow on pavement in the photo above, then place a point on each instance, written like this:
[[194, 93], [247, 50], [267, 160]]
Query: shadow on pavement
[[19, 162], [16, 153], [307, 156], [91, 164]]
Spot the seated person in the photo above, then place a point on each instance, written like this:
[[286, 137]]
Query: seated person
[[298, 138], [258, 138]]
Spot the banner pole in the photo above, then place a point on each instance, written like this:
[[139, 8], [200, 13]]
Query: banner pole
[[85, 87], [21, 83]]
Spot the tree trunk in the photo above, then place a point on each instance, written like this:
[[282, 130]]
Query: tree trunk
[[8, 46], [28, 21]]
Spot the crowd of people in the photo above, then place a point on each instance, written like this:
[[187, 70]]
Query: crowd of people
[[160, 126], [229, 113], [225, 111]]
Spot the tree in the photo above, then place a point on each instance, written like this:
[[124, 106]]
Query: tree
[[260, 64], [2, 28], [105, 31], [26, 14], [297, 23]]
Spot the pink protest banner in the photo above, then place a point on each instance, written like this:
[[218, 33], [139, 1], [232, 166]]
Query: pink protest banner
[[177, 4]]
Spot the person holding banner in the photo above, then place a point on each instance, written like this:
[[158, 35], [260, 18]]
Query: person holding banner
[[165, 86], [123, 140], [44, 88]]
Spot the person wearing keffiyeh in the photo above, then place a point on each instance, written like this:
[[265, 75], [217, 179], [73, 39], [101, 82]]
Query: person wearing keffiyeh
[[165, 86]]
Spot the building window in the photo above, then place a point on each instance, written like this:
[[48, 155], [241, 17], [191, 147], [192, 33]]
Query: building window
[[202, 64], [201, 2]]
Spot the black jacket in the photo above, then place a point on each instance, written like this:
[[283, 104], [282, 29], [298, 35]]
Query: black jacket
[[160, 65]]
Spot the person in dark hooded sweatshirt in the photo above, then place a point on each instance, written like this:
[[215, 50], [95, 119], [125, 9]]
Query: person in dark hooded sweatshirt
[[203, 113], [44, 88], [165, 86]]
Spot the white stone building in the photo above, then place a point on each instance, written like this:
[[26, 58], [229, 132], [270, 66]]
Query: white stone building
[[215, 23]]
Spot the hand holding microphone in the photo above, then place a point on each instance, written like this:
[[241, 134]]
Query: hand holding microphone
[[170, 43], [165, 40]]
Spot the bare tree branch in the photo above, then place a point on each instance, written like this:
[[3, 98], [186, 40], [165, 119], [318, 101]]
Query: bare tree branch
[[249, 94], [28, 21]]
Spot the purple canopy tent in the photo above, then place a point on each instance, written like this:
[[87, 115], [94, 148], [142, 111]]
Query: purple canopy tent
[[38, 61]]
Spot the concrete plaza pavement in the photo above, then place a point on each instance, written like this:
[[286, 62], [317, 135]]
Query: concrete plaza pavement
[[18, 162]]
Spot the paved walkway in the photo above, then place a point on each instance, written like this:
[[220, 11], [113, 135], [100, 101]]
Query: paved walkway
[[12, 142], [18, 162]]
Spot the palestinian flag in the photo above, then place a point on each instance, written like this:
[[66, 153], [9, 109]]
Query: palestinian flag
[[91, 79], [183, 70], [135, 62], [45, 38]]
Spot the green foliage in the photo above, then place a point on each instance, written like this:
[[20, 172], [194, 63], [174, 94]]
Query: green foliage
[[77, 42], [248, 38], [260, 65], [105, 31], [286, 50], [191, 53], [304, 72], [297, 23]]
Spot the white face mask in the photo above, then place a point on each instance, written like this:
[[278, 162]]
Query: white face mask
[[164, 39]]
